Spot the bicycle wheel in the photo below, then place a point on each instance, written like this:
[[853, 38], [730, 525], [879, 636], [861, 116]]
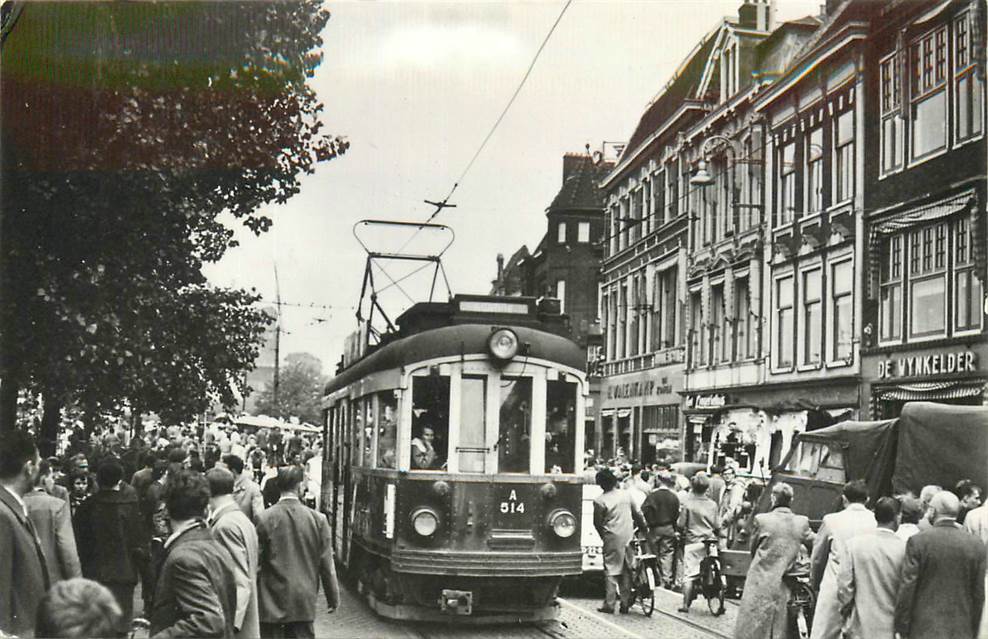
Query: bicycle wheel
[[715, 599], [644, 586]]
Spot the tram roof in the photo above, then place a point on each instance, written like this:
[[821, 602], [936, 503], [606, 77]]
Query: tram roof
[[422, 338]]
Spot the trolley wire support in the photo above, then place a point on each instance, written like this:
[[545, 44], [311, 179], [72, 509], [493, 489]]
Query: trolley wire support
[[369, 290]]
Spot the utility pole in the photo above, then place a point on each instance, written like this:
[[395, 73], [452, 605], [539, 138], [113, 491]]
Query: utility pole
[[277, 338]]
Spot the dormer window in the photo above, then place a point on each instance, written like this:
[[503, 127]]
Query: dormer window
[[729, 71]]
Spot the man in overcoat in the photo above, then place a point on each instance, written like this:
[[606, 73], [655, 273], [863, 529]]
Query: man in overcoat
[[942, 591], [614, 517], [235, 532], [776, 542], [196, 594], [828, 549], [53, 524], [868, 582], [296, 554], [23, 574]]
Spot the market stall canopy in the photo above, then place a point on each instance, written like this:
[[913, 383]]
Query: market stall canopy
[[263, 421]]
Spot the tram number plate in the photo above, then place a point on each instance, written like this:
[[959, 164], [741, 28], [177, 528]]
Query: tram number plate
[[512, 505]]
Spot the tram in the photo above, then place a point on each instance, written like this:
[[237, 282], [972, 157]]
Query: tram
[[451, 473]]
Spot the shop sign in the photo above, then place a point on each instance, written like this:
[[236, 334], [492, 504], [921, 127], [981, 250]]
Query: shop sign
[[708, 401], [938, 364], [644, 388]]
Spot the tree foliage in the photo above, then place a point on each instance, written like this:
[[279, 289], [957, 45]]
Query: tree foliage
[[299, 390], [128, 130]]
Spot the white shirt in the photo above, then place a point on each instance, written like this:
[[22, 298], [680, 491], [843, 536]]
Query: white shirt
[[976, 522], [18, 499], [905, 531]]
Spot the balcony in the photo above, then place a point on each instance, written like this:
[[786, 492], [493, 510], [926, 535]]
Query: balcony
[[675, 355], [725, 375]]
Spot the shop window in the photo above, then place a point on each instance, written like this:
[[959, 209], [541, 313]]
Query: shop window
[[812, 319], [844, 156], [842, 311], [560, 431], [387, 430], [814, 170], [472, 447], [583, 232], [969, 88], [787, 184], [742, 321], [891, 289], [891, 104], [515, 427], [430, 421], [785, 322], [928, 65], [967, 287]]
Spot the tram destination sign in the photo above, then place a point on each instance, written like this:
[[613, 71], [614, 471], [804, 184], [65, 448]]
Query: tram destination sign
[[935, 364]]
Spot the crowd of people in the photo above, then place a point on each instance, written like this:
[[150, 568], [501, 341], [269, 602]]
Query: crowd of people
[[219, 530], [910, 567]]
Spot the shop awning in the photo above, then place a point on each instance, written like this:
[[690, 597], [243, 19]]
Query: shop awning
[[623, 412], [931, 391], [966, 202]]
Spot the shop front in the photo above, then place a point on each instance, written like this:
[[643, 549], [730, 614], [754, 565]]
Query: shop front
[[956, 374], [752, 428], [640, 417]]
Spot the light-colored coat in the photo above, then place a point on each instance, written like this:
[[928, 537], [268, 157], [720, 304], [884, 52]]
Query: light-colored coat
[[53, 524], [613, 517], [235, 532], [868, 583], [976, 523], [248, 496], [835, 531], [23, 574], [775, 544]]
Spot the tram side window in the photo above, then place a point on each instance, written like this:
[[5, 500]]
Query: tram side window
[[356, 416], [514, 443], [430, 421], [560, 427], [387, 429], [369, 426]]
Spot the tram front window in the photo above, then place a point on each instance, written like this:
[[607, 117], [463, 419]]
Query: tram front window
[[560, 427], [430, 421], [514, 436]]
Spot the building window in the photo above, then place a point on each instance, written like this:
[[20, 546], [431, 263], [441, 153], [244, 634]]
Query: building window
[[812, 319], [696, 340], [841, 291], [561, 294], [583, 232], [891, 289], [814, 171], [622, 314], [844, 156], [927, 280], [672, 192], [743, 347], [787, 184], [892, 130], [718, 332], [642, 312], [664, 309], [928, 64], [634, 223], [658, 199], [646, 208], [968, 88], [785, 324], [561, 233], [632, 312], [967, 287]]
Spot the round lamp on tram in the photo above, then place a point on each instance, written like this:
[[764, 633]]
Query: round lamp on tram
[[503, 344], [425, 522], [563, 523]]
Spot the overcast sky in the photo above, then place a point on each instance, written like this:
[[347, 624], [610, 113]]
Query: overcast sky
[[415, 87]]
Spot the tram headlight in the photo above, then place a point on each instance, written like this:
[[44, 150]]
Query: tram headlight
[[425, 522], [503, 344], [563, 523]]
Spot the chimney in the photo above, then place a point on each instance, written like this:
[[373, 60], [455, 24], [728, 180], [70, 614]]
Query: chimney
[[572, 163], [831, 6], [500, 266], [757, 14]]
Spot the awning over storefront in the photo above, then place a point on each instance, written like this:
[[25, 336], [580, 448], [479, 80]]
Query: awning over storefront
[[931, 391], [966, 202]]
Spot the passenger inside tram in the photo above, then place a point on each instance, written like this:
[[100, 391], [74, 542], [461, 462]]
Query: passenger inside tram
[[430, 422], [424, 454], [560, 441]]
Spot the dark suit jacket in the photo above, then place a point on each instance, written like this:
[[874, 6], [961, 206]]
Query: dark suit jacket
[[23, 576], [53, 525], [110, 537], [296, 550], [942, 584], [196, 594]]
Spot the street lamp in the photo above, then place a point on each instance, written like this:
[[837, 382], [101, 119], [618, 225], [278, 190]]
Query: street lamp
[[702, 176]]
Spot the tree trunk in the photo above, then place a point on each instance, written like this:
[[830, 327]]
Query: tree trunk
[[8, 403], [50, 421]]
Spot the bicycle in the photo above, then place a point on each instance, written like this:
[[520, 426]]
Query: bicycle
[[711, 581], [643, 582], [800, 605]]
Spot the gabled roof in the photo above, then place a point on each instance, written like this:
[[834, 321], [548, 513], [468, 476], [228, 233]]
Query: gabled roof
[[580, 187]]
